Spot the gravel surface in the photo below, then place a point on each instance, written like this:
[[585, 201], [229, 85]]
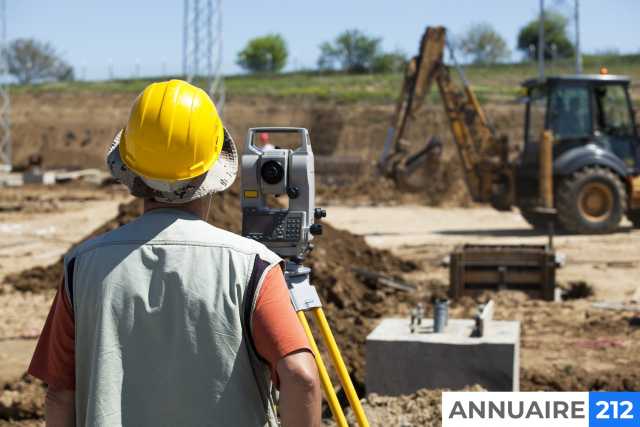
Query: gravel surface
[[421, 409], [23, 313], [22, 400]]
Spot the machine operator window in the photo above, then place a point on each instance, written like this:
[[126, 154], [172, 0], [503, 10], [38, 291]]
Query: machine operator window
[[569, 116], [612, 111], [536, 108]]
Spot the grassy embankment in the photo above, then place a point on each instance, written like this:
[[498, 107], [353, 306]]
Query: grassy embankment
[[492, 83]]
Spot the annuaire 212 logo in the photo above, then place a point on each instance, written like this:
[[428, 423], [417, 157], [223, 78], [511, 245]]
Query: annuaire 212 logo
[[541, 409]]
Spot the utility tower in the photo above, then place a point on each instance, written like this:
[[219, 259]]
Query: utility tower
[[202, 47], [5, 106], [541, 44], [576, 14]]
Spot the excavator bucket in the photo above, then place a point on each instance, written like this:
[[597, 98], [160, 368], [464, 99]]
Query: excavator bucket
[[411, 172]]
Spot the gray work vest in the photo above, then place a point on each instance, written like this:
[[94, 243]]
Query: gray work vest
[[161, 307]]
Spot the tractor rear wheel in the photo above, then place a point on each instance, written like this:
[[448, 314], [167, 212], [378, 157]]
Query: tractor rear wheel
[[591, 201]]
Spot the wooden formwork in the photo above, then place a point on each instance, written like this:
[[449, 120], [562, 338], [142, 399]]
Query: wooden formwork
[[522, 267]]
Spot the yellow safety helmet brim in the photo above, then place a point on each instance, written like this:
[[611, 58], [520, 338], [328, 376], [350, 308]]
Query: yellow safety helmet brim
[[220, 177], [174, 132]]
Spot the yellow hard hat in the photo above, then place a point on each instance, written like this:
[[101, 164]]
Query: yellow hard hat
[[174, 132]]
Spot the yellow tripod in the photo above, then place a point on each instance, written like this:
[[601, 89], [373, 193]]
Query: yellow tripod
[[305, 298]]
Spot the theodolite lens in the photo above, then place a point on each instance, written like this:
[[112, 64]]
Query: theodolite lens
[[272, 172]]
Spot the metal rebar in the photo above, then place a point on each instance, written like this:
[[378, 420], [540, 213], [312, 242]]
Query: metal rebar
[[577, 25], [440, 315]]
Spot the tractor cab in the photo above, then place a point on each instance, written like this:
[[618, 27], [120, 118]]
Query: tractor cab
[[581, 110], [595, 140]]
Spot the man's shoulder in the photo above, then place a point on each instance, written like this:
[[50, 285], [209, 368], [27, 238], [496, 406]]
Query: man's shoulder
[[190, 232], [237, 243], [97, 241]]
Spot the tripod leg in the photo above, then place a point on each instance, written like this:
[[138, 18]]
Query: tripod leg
[[329, 391], [340, 367]]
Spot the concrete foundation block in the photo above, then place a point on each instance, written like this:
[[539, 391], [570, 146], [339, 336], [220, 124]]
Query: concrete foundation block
[[401, 362]]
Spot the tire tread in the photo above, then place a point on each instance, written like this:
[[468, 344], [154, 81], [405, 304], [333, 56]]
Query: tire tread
[[568, 216]]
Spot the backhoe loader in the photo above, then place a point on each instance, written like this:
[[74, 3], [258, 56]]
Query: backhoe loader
[[579, 168]]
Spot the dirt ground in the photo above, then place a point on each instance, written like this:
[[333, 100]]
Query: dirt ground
[[39, 223], [348, 297], [567, 345], [37, 226], [422, 408], [426, 235]]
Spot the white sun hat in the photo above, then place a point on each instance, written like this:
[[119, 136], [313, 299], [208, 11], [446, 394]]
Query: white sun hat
[[220, 177]]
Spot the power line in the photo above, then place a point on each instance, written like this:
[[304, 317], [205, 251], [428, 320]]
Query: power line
[[202, 47], [541, 45], [5, 105], [577, 24]]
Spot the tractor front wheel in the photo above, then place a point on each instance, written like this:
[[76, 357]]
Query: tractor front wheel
[[591, 201]]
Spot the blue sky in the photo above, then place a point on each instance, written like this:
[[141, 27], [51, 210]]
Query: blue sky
[[93, 34]]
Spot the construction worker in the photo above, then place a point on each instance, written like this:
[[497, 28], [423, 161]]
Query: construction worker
[[169, 321]]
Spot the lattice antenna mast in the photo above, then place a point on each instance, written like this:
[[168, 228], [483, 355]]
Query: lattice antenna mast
[[5, 106], [202, 47]]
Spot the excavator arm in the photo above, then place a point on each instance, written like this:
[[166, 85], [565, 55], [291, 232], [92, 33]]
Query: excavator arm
[[397, 160], [483, 156]]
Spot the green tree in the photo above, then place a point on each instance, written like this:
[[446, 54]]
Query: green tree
[[33, 61], [264, 54], [352, 51], [555, 33], [390, 62], [484, 45]]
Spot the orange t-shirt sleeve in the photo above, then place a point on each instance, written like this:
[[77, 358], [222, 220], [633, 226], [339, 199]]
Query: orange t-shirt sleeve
[[54, 358], [277, 332]]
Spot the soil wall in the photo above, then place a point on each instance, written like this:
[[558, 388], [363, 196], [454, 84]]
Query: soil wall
[[74, 129]]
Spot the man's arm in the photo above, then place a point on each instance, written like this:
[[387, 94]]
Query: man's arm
[[60, 408], [54, 362], [300, 394], [280, 339]]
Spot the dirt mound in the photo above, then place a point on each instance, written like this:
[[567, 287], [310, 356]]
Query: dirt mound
[[32, 198], [577, 378], [567, 346], [352, 304], [22, 399], [23, 423], [41, 278], [422, 408], [36, 279], [442, 187]]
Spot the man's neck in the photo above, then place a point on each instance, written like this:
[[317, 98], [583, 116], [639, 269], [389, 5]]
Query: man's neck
[[198, 207]]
